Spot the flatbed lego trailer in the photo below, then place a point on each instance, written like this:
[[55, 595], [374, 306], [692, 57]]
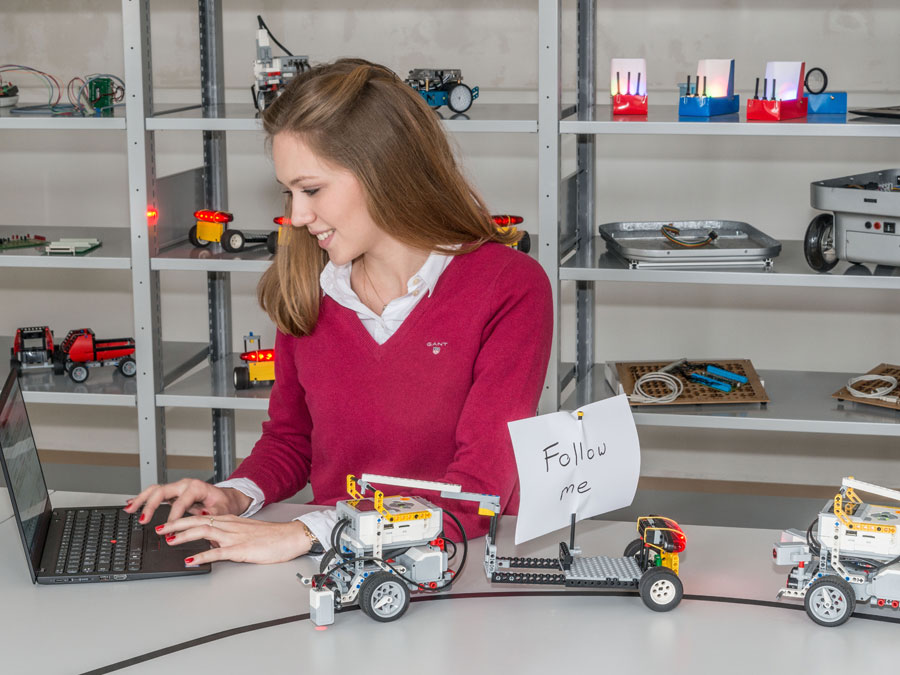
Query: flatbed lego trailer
[[649, 565]]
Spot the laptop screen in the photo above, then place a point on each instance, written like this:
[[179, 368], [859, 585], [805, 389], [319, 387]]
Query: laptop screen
[[22, 469]]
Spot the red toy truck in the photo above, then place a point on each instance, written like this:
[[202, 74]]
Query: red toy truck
[[81, 350]]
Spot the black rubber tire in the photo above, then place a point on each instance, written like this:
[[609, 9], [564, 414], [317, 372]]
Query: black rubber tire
[[241, 377], [127, 367], [376, 587], [59, 365], [79, 373], [459, 106], [233, 241], [272, 242], [192, 237], [824, 81], [633, 550], [660, 589], [821, 229], [840, 602], [524, 244]]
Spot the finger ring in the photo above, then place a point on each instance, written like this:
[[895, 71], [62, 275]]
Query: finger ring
[[211, 521]]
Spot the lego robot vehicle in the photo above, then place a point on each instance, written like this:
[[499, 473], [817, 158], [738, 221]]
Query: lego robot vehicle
[[81, 350], [649, 565], [212, 226], [272, 73], [383, 548], [863, 225], [260, 364], [33, 349], [442, 87], [850, 554]]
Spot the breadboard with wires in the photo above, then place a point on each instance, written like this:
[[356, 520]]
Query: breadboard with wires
[[843, 394], [694, 393]]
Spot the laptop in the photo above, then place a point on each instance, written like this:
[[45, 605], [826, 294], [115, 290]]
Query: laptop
[[77, 545]]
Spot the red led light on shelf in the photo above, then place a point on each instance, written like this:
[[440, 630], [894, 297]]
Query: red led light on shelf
[[213, 216], [507, 220], [152, 215], [259, 356], [281, 220]]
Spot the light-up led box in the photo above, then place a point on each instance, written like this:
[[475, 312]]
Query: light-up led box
[[628, 86], [713, 94], [782, 93]]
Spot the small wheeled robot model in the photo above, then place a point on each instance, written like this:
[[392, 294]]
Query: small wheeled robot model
[[260, 364], [649, 565], [33, 349], [81, 350], [213, 226], [850, 553], [507, 223], [384, 547], [272, 73], [443, 87], [863, 225]]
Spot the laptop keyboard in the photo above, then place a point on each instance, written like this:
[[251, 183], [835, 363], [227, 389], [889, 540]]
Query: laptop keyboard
[[98, 541]]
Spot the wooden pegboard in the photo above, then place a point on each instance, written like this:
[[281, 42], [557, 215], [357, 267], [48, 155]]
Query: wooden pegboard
[[881, 369], [694, 393]]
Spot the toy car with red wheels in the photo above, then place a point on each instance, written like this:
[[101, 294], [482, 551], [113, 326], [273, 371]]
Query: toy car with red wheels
[[442, 86], [33, 349], [81, 350], [260, 364], [213, 227], [507, 223]]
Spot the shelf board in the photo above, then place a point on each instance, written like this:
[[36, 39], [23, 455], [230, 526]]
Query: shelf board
[[50, 122], [212, 386], [665, 120], [113, 254], [789, 269], [481, 117], [800, 402], [104, 386], [186, 257]]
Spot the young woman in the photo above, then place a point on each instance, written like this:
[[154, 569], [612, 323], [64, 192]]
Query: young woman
[[409, 332]]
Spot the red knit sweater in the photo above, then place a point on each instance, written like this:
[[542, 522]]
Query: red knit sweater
[[431, 403]]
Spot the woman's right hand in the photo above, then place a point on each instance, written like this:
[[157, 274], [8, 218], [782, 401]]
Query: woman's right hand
[[189, 496]]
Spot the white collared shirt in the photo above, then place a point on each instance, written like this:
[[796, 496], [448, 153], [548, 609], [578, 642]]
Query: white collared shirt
[[335, 283]]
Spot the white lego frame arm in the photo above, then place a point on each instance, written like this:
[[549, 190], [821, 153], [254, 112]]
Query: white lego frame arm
[[871, 488], [487, 503]]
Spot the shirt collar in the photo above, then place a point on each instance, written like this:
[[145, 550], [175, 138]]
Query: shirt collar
[[335, 279]]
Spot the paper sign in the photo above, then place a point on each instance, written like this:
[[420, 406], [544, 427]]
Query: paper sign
[[628, 76], [788, 77], [719, 74], [566, 465]]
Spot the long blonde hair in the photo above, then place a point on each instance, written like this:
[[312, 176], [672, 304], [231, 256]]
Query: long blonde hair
[[360, 116]]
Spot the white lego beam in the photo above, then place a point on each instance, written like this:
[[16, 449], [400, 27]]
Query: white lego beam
[[411, 483], [871, 488]]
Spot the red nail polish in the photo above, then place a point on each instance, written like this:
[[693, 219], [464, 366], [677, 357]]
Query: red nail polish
[[142, 518], [204, 513], [188, 561], [159, 527], [170, 537]]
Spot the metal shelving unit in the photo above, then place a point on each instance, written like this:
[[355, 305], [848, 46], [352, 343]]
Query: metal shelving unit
[[114, 252], [481, 118], [60, 123], [800, 400]]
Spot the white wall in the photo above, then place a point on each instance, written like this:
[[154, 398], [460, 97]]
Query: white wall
[[79, 178]]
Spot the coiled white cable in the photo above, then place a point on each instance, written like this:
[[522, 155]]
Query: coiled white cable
[[675, 386], [880, 393]]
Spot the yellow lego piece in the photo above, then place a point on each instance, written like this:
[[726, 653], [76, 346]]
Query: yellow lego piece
[[209, 231]]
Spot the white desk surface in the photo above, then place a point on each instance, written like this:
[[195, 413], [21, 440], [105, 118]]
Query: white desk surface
[[143, 626]]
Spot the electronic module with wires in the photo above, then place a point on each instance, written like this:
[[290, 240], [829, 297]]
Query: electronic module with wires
[[96, 95], [850, 553], [384, 547], [272, 73]]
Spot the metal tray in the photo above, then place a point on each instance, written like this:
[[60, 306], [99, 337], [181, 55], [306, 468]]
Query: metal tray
[[642, 244]]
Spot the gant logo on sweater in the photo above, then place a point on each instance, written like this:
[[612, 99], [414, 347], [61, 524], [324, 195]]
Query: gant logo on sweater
[[436, 346]]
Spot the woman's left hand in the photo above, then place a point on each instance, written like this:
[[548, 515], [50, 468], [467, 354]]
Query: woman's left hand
[[238, 539]]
